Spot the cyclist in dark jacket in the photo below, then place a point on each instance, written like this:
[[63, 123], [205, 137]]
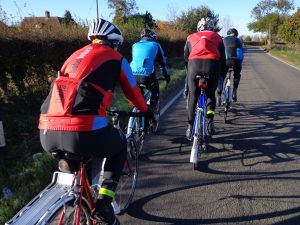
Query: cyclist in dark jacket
[[73, 116], [145, 54], [204, 55], [234, 58]]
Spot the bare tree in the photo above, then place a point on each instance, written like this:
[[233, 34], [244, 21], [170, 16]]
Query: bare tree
[[225, 24], [172, 13]]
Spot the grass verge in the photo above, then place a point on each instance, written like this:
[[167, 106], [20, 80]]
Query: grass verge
[[291, 57], [25, 168]]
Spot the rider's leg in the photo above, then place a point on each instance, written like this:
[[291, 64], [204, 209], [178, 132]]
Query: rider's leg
[[220, 88], [211, 101], [236, 80], [186, 87], [192, 102], [153, 86], [110, 144]]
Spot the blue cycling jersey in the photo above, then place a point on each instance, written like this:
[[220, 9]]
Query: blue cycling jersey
[[233, 48], [144, 55]]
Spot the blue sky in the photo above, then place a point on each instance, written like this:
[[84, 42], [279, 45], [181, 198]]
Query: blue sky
[[235, 12]]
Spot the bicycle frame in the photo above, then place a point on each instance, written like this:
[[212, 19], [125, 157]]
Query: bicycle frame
[[198, 134], [227, 93], [83, 187], [132, 120]]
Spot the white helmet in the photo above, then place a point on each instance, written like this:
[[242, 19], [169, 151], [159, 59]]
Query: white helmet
[[102, 28], [205, 24]]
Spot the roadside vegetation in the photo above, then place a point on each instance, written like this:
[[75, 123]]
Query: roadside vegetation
[[291, 56]]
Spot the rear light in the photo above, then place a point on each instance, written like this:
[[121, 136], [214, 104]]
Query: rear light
[[202, 83]]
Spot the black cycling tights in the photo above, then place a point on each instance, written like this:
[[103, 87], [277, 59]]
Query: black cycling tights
[[194, 92], [152, 85], [103, 143]]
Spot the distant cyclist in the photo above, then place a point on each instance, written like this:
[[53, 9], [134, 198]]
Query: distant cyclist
[[73, 116], [204, 54], [234, 58], [145, 54]]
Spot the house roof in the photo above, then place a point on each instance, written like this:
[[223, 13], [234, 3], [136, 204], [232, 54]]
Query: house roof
[[42, 20]]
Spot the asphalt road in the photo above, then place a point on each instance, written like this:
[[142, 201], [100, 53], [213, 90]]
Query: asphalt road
[[250, 173]]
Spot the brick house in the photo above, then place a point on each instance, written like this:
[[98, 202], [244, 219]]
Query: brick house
[[42, 22]]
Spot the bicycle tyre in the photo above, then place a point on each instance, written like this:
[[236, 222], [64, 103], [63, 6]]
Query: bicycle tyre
[[70, 215], [227, 104], [198, 135], [154, 125], [139, 135], [128, 180]]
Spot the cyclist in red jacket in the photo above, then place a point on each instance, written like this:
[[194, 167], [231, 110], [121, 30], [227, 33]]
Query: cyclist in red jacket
[[73, 116], [204, 54]]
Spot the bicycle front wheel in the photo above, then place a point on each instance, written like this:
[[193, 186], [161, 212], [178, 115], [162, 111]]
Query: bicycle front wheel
[[127, 183], [227, 103], [66, 214]]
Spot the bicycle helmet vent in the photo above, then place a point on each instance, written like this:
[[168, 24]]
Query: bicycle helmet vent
[[101, 28]]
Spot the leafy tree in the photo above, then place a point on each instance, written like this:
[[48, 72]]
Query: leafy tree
[[270, 21], [122, 9], [270, 14], [187, 21], [290, 29], [68, 19], [135, 23]]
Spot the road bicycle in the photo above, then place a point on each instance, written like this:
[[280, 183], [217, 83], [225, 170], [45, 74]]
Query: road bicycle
[[199, 131], [70, 199], [226, 98], [136, 125]]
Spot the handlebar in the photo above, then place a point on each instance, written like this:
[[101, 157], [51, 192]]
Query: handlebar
[[121, 113]]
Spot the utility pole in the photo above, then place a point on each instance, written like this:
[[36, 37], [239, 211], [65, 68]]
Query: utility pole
[[97, 9]]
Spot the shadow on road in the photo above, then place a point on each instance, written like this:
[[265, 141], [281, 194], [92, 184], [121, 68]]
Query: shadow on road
[[137, 208], [259, 133]]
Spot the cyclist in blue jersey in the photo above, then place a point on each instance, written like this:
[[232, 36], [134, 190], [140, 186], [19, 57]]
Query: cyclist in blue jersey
[[234, 57], [145, 54]]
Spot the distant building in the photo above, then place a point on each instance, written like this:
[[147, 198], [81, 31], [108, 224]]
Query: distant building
[[46, 21]]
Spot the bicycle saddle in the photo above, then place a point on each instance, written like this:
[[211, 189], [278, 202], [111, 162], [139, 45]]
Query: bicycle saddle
[[69, 162]]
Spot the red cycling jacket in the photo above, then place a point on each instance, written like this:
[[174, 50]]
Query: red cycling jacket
[[204, 45], [79, 97]]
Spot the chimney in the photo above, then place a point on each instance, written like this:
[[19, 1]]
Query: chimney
[[47, 14]]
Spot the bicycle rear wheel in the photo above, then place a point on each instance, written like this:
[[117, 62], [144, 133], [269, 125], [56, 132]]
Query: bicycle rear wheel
[[200, 135], [127, 183], [66, 215]]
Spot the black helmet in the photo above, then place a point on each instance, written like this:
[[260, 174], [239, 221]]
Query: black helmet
[[149, 34], [233, 31]]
